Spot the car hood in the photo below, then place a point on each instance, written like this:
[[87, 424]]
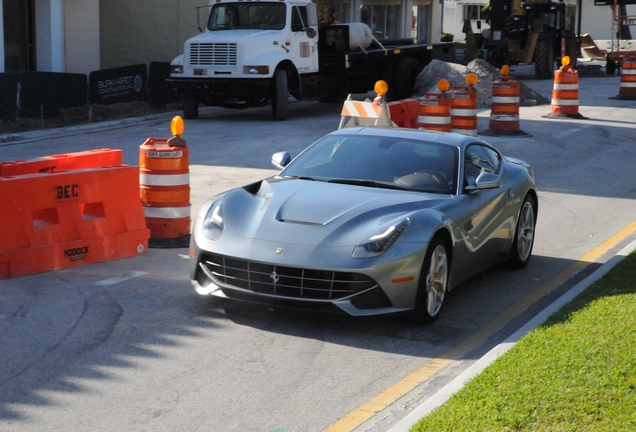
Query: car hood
[[314, 212]]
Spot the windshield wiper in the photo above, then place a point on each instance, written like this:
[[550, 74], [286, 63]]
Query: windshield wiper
[[369, 183]]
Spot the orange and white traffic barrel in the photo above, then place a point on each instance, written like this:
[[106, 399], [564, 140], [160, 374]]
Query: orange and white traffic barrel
[[164, 180], [504, 114], [565, 93], [464, 107], [628, 79], [434, 112]]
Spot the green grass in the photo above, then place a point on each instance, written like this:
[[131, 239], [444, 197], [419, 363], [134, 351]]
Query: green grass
[[576, 372]]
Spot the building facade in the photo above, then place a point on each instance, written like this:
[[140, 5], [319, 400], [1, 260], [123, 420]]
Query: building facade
[[80, 36]]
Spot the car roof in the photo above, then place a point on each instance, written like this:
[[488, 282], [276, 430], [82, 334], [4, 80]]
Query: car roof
[[448, 138]]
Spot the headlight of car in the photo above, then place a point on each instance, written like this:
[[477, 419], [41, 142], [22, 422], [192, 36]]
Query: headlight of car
[[378, 244], [213, 222]]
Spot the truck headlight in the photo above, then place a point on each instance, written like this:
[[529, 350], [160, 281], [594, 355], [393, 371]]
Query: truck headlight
[[256, 70], [176, 69]]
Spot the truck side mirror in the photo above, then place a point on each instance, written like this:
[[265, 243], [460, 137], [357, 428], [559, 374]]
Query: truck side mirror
[[311, 32]]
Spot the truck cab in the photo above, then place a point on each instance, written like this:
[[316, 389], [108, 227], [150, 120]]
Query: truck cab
[[251, 53]]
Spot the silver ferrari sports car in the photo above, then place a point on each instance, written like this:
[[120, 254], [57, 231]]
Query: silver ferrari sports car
[[370, 220]]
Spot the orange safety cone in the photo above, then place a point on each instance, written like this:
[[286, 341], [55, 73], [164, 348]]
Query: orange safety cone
[[504, 114], [434, 112], [565, 93], [627, 89], [164, 180], [464, 107]]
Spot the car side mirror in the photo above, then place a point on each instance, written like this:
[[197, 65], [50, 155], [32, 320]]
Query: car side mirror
[[281, 159], [485, 180]]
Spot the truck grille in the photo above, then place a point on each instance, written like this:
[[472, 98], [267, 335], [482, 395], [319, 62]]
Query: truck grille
[[290, 282], [213, 54]]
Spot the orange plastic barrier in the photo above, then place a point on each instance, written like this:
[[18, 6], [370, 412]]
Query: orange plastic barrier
[[59, 220], [565, 94], [628, 80], [464, 110], [504, 114], [404, 112], [434, 112], [63, 162], [165, 192]]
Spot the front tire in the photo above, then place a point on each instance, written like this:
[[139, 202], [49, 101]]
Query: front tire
[[524, 236], [190, 106], [280, 99], [433, 283], [544, 59]]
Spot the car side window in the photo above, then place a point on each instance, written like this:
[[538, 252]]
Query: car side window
[[479, 158]]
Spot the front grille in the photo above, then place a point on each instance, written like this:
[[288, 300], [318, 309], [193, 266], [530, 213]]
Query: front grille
[[213, 54], [282, 281]]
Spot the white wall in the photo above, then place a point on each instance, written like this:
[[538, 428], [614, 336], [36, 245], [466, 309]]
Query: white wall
[[49, 35], [81, 36]]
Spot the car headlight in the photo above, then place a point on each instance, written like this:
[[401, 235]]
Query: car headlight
[[380, 243], [213, 221]]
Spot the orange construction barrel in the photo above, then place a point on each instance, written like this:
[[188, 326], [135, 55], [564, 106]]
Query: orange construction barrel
[[164, 180], [464, 110], [627, 89], [565, 93], [434, 112]]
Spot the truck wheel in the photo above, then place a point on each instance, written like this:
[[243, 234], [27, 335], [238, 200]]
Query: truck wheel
[[544, 59], [190, 106], [404, 78], [280, 99]]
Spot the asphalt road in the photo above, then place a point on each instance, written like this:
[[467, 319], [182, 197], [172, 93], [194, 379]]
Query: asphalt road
[[128, 345]]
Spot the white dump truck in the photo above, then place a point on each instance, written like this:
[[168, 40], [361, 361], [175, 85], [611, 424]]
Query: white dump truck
[[255, 52]]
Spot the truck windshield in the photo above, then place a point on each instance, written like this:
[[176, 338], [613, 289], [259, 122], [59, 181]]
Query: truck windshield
[[261, 16]]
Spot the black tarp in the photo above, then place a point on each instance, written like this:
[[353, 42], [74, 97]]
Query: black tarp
[[8, 95], [117, 85], [45, 93], [157, 91]]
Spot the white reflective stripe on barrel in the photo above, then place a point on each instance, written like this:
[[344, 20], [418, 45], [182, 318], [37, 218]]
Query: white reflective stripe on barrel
[[433, 120], [504, 117], [504, 99], [566, 87], [463, 112], [164, 180], [167, 212], [565, 101]]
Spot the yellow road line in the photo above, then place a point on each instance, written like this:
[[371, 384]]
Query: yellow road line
[[382, 401]]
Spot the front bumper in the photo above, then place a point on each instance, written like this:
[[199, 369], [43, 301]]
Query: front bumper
[[385, 284], [222, 88]]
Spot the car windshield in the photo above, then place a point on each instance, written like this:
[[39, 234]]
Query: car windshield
[[252, 15], [380, 162]]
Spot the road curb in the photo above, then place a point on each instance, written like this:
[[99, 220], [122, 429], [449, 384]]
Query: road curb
[[439, 398]]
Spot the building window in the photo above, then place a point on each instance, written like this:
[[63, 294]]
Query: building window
[[383, 20], [475, 12]]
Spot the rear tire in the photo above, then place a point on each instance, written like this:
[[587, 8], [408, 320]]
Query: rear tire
[[433, 283], [280, 99], [405, 76], [544, 59], [524, 235]]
